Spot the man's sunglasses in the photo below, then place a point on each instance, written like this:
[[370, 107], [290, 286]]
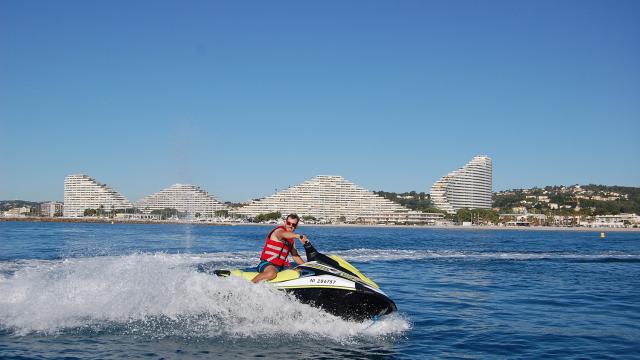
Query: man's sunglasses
[[292, 224]]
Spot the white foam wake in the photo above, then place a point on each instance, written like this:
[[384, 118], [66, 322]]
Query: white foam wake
[[163, 295]]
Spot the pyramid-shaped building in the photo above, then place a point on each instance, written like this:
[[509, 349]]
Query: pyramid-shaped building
[[329, 198], [81, 192], [184, 198]]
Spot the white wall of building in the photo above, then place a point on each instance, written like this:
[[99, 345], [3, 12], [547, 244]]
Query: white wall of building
[[468, 187], [82, 192]]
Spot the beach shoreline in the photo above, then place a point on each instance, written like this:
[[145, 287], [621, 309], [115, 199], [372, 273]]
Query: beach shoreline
[[437, 227]]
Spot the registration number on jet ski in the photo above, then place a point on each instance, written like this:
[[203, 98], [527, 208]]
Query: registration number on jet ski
[[322, 281]]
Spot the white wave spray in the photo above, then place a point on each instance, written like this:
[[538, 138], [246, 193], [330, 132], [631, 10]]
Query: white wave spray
[[162, 295]]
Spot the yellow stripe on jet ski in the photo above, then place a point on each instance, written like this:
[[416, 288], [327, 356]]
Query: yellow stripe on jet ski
[[283, 275], [351, 268]]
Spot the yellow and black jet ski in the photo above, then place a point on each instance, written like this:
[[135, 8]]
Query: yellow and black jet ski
[[330, 283]]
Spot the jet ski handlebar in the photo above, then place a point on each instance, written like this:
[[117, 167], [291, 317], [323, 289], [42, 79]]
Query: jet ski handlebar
[[310, 251], [314, 255]]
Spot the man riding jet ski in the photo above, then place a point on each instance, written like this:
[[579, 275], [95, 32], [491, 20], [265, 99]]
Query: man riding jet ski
[[330, 283]]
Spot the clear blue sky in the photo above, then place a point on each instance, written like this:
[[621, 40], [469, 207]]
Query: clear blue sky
[[242, 97]]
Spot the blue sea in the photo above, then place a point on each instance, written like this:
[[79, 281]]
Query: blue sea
[[101, 291]]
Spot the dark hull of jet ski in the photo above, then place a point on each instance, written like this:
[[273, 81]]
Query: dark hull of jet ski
[[358, 305]]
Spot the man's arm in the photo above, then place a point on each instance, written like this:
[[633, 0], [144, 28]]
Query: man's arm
[[279, 234], [296, 257]]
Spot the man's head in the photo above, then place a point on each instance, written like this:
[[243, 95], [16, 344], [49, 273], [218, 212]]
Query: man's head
[[291, 222]]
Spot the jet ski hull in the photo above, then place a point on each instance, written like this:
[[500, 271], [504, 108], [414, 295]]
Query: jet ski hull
[[341, 294], [359, 304]]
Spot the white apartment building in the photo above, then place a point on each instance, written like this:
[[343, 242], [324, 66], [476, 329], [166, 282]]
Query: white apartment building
[[184, 198], [82, 192], [18, 212], [51, 209], [330, 198], [419, 217], [613, 221], [468, 187]]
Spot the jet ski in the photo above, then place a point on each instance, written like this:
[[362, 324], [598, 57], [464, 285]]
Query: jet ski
[[329, 283]]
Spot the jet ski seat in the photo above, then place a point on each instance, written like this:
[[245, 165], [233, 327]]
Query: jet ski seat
[[250, 273]]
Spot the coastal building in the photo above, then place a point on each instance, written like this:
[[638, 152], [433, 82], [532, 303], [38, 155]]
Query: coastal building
[[519, 209], [82, 192], [519, 219], [185, 198], [422, 218], [51, 209], [331, 198], [613, 221], [138, 217], [18, 212], [468, 187]]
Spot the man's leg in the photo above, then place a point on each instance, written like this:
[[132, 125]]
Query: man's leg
[[269, 273]]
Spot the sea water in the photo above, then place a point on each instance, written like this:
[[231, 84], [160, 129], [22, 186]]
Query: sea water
[[73, 290]]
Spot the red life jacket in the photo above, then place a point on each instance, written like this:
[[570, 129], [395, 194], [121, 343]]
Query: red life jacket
[[275, 251]]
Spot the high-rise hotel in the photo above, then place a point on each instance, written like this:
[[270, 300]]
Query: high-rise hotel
[[468, 187], [82, 192]]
